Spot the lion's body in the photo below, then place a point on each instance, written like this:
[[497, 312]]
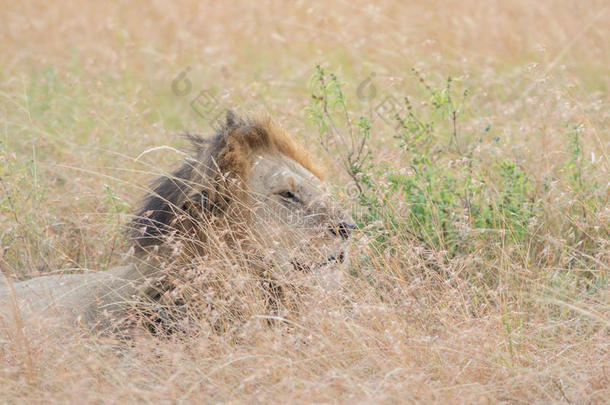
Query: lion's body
[[90, 298], [250, 187], [69, 294]]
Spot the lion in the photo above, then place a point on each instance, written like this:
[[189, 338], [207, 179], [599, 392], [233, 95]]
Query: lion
[[250, 189]]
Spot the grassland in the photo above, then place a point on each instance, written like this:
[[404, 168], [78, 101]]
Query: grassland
[[480, 267]]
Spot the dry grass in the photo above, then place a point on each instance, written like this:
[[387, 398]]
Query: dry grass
[[85, 89]]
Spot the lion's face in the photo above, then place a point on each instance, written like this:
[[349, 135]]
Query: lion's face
[[251, 179], [294, 216]]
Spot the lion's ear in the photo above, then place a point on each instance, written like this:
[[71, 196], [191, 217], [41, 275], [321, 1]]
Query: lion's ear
[[231, 120]]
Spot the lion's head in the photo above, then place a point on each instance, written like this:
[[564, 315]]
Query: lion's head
[[255, 188]]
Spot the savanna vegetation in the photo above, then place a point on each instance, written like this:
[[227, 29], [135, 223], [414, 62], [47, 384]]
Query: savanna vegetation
[[468, 140]]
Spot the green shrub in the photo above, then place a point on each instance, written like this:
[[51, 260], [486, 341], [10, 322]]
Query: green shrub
[[445, 187]]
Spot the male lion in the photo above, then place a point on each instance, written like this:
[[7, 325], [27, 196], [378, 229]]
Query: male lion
[[250, 189]]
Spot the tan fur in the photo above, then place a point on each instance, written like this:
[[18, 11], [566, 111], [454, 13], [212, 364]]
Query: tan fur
[[177, 224], [262, 134]]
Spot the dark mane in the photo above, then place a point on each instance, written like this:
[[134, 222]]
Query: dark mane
[[208, 179]]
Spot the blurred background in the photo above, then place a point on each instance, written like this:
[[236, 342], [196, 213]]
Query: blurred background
[[86, 88]]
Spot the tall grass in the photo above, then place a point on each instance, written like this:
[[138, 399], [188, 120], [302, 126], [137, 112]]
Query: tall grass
[[479, 270]]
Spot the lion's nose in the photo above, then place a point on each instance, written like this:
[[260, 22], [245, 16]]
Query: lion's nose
[[343, 229]]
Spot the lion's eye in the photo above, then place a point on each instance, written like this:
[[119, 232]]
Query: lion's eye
[[287, 195]]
